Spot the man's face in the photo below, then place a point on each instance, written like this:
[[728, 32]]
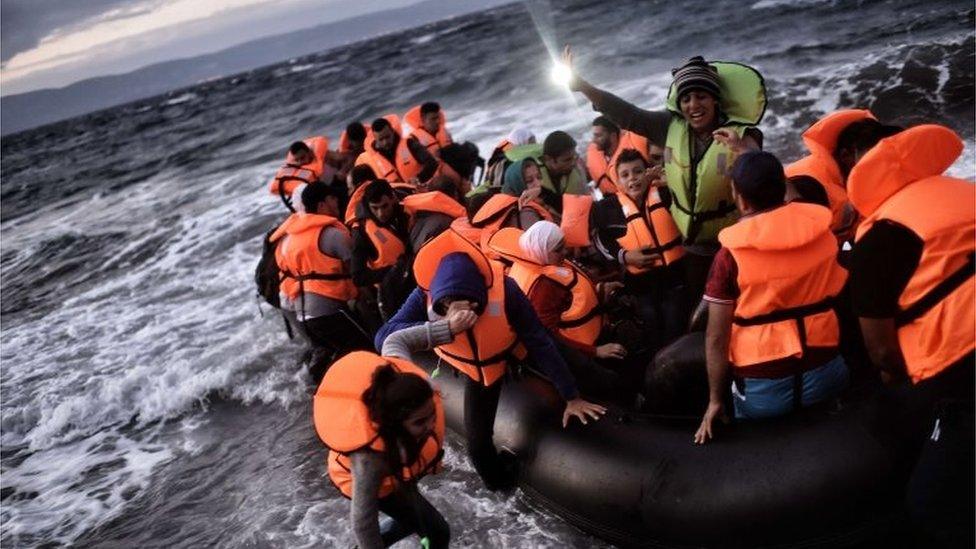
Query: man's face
[[699, 109], [656, 155], [357, 147], [383, 140], [384, 209], [602, 139], [431, 122], [562, 164], [629, 178]]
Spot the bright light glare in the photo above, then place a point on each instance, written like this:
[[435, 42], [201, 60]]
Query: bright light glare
[[561, 74]]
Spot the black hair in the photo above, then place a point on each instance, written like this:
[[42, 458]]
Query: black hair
[[605, 122], [863, 134], [361, 174], [356, 131], [377, 190], [557, 143], [629, 155], [299, 147], [758, 177], [810, 190], [462, 158], [477, 201], [443, 184], [316, 192], [381, 124], [429, 107], [391, 398]]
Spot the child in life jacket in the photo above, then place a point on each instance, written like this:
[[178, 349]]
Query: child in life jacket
[[384, 426], [650, 251]]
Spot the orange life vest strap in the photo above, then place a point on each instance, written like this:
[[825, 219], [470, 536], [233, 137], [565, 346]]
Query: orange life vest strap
[[285, 199], [674, 243], [938, 293], [595, 312], [790, 313], [315, 276], [485, 361]]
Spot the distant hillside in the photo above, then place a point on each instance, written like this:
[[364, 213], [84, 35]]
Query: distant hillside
[[28, 110]]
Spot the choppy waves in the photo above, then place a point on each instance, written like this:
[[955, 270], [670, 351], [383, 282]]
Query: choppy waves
[[138, 377]]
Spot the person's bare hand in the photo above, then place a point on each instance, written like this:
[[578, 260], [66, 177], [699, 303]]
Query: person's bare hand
[[528, 195], [581, 409], [567, 59], [715, 410], [730, 139], [460, 320], [641, 259], [655, 176], [611, 350], [606, 289]]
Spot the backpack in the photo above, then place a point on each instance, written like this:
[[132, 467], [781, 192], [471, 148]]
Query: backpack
[[267, 273]]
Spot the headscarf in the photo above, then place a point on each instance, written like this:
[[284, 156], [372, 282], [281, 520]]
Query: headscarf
[[521, 136], [513, 184], [539, 241]]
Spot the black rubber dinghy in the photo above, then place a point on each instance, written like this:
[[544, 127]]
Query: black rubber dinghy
[[819, 478]]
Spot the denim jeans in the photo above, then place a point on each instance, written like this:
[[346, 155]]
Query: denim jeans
[[762, 398]]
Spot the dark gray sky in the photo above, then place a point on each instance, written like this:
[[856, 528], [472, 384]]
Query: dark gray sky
[[52, 43]]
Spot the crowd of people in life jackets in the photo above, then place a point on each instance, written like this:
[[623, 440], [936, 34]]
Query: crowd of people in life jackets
[[582, 269]]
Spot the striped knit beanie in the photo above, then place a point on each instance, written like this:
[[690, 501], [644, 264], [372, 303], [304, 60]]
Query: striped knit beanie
[[696, 74]]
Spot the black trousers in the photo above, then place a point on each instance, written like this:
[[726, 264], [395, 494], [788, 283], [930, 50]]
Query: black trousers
[[696, 269], [480, 406], [333, 336], [937, 415], [411, 513], [593, 380]]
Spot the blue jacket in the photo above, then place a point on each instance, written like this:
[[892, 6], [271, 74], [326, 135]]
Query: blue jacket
[[458, 277]]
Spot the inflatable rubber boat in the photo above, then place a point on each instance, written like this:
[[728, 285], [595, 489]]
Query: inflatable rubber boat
[[819, 478]]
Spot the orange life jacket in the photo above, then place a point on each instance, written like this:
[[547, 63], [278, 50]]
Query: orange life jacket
[[464, 228], [653, 230], [821, 140], [483, 351], [575, 222], [342, 421], [901, 180], [291, 174], [432, 201], [402, 170], [603, 171], [304, 268], [387, 244], [433, 143], [583, 320], [788, 278], [496, 212]]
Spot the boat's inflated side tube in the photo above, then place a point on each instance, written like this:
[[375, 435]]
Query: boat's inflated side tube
[[816, 479]]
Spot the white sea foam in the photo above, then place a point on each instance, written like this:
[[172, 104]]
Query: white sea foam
[[182, 98]]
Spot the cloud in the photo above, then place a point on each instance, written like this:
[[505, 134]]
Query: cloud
[[65, 46], [23, 23]]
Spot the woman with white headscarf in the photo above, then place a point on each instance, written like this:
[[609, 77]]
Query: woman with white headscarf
[[544, 244]]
